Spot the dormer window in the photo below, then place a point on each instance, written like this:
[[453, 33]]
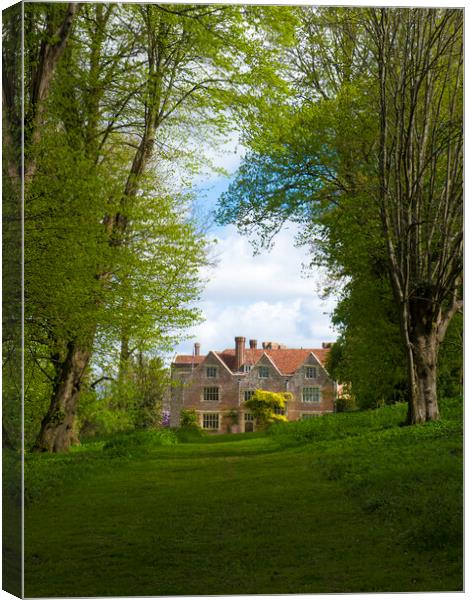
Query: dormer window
[[211, 371], [246, 368], [263, 372], [311, 372]]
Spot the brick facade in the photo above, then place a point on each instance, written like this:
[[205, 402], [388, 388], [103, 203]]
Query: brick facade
[[214, 385]]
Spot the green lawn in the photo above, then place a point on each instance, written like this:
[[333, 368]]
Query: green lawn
[[242, 514]]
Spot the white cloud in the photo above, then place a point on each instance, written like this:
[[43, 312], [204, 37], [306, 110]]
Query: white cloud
[[263, 297], [271, 276], [227, 154]]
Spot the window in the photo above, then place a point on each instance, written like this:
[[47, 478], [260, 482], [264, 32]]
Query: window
[[279, 411], [249, 417], [307, 416], [211, 371], [263, 372], [248, 395], [246, 368], [211, 394], [210, 421], [311, 372], [311, 394]]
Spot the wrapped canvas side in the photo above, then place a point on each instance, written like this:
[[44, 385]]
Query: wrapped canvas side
[[12, 390]]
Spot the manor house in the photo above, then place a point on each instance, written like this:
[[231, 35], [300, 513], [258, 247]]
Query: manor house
[[216, 385]]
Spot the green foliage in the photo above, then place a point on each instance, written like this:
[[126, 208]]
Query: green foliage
[[450, 365], [190, 434], [132, 401], [266, 407], [105, 413], [345, 402], [322, 172], [188, 419], [112, 253], [132, 444], [338, 426], [189, 430]]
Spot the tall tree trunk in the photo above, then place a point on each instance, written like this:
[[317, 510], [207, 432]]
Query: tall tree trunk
[[422, 377], [57, 432]]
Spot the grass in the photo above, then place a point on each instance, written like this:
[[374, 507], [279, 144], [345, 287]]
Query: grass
[[364, 506]]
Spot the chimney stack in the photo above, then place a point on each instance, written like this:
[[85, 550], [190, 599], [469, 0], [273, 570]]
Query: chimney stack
[[253, 344], [197, 349], [239, 352]]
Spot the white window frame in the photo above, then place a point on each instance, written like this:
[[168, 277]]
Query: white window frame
[[214, 371], [213, 387], [250, 392], [208, 417], [265, 369], [249, 417], [310, 369], [247, 368], [306, 395]]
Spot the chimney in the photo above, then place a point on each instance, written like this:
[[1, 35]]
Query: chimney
[[239, 352], [253, 344], [197, 348]]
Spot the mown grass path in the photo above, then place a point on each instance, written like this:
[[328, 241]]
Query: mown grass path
[[235, 517]]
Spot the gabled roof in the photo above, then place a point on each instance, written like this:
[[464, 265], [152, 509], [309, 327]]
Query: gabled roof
[[188, 359], [286, 360], [228, 358]]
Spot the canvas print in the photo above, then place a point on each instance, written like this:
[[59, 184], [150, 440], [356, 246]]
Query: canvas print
[[232, 299]]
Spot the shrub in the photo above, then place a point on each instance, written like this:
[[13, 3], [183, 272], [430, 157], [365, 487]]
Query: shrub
[[345, 403], [264, 404], [188, 435], [130, 444], [188, 419]]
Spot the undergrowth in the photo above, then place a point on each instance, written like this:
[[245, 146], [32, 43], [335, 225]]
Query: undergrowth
[[409, 478]]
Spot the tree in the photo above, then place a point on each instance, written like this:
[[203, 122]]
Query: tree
[[130, 84], [95, 270], [268, 407], [420, 194], [371, 170]]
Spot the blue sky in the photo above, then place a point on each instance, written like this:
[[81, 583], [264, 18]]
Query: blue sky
[[263, 297]]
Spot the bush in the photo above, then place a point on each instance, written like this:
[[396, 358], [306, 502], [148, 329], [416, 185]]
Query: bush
[[345, 403], [131, 444], [188, 419], [190, 434], [268, 407]]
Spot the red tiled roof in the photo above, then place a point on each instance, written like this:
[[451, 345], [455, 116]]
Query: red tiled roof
[[188, 359], [287, 360], [228, 357]]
